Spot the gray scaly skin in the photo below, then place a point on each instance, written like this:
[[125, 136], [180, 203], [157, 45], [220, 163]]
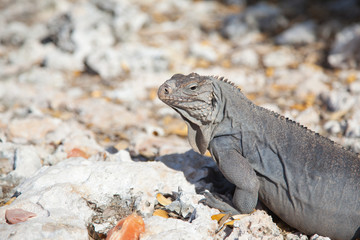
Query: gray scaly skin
[[310, 182]]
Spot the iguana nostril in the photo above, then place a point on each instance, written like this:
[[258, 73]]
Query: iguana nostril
[[166, 91]]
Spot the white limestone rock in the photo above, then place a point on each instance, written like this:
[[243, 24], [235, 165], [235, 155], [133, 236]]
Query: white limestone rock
[[257, 226], [279, 58], [59, 195], [245, 57]]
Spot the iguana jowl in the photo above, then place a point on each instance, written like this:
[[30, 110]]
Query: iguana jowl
[[310, 182]]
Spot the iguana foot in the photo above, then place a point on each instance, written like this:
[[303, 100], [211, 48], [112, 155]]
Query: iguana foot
[[214, 202]]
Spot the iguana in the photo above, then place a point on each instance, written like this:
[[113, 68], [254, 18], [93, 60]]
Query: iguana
[[307, 180]]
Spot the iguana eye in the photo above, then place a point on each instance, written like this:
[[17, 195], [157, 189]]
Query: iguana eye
[[193, 87]]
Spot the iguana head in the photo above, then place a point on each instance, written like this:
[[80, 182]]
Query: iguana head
[[192, 96], [195, 98]]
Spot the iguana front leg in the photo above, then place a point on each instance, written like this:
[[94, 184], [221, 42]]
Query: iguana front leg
[[238, 171]]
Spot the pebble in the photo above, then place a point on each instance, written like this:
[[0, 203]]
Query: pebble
[[338, 100], [299, 33], [245, 57], [279, 58], [344, 52]]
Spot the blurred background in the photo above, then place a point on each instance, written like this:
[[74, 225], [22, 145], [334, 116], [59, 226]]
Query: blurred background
[[84, 74]]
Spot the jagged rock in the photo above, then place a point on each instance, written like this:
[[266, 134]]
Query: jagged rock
[[73, 183]]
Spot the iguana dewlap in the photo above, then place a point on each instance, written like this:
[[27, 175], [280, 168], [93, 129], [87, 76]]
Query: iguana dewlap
[[310, 182]]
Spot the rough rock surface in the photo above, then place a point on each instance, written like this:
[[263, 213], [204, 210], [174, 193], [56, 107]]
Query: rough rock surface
[[81, 76]]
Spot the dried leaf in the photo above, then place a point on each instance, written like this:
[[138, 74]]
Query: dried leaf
[[218, 217], [207, 153], [129, 228], [17, 215], [230, 223], [161, 213], [163, 200]]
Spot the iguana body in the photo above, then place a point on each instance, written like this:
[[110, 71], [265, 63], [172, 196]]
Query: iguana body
[[310, 182]]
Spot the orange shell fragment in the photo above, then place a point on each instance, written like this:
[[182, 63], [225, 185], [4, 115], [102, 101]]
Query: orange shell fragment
[[76, 152], [128, 228], [17, 215]]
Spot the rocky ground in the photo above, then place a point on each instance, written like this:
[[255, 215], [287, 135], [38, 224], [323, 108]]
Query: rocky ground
[[84, 141]]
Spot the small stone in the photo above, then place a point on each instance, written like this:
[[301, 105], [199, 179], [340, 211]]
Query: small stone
[[344, 52], [317, 237], [300, 33], [26, 162], [333, 127], [338, 100], [203, 51], [245, 57], [258, 225], [279, 58], [309, 118]]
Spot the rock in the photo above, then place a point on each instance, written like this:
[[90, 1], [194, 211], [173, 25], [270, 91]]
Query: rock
[[300, 33], [20, 161], [105, 115], [31, 53], [41, 76], [344, 52], [258, 225], [59, 32], [333, 127], [203, 51], [266, 17], [309, 118], [353, 126], [74, 183], [296, 236], [338, 100], [201, 228], [15, 33], [129, 58], [26, 162], [56, 59], [312, 80], [317, 237], [355, 87], [261, 16], [106, 62], [245, 57], [128, 20], [279, 58], [32, 128]]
